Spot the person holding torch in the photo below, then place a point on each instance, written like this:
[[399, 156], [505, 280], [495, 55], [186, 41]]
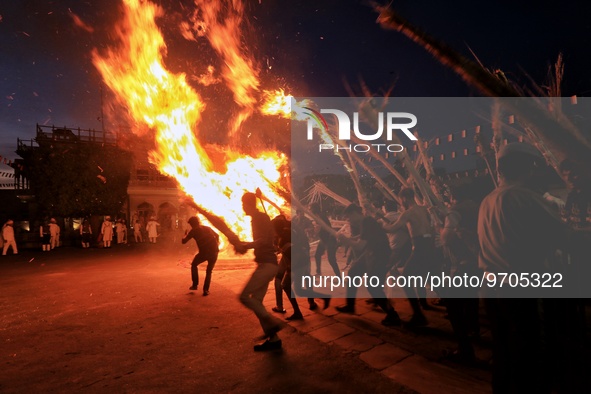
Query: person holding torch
[[255, 289]]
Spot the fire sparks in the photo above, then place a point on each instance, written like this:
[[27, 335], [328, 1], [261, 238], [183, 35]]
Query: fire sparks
[[80, 23], [220, 22], [277, 103], [168, 105]]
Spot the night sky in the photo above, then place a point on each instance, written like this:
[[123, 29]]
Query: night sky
[[308, 47]]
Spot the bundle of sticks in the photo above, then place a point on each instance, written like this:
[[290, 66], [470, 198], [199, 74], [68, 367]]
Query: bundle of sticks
[[216, 221], [550, 131]]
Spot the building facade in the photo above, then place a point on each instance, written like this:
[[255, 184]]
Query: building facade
[[149, 193]]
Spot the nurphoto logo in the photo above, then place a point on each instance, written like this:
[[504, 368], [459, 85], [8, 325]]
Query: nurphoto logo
[[387, 123]]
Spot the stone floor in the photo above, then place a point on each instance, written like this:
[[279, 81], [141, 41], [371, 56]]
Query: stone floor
[[414, 358]]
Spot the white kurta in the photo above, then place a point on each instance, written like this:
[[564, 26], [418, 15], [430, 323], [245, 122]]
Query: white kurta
[[152, 228], [107, 231], [9, 241]]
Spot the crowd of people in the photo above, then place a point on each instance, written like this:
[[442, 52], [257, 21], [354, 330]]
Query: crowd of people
[[538, 342], [118, 231], [519, 228], [49, 235], [109, 232]]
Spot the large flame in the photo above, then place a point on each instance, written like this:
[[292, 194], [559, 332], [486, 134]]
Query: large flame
[[167, 104], [220, 22]]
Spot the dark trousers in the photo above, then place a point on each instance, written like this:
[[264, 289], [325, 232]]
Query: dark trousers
[[279, 282], [286, 283], [359, 268], [538, 344], [463, 316], [198, 259], [519, 347], [566, 333], [299, 267], [381, 270], [330, 248], [418, 265]]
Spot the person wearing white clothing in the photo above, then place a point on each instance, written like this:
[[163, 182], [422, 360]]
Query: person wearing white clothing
[[54, 232], [107, 232], [8, 235], [152, 228]]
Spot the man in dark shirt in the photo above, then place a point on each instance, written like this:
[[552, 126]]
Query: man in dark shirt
[[327, 243], [252, 296], [417, 221], [460, 244], [208, 243], [518, 232], [374, 259]]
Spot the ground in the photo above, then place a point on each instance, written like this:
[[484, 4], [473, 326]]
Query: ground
[[123, 320]]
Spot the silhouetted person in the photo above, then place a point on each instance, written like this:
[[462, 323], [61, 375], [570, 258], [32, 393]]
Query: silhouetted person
[[283, 232], [519, 232], [303, 223], [86, 233], [264, 255], [327, 243], [417, 221], [400, 242], [137, 231], [107, 232], [280, 240], [351, 253], [152, 229], [45, 236], [8, 236], [293, 245], [299, 261], [121, 230], [302, 227], [570, 314], [54, 232], [460, 242], [374, 260], [208, 243]]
